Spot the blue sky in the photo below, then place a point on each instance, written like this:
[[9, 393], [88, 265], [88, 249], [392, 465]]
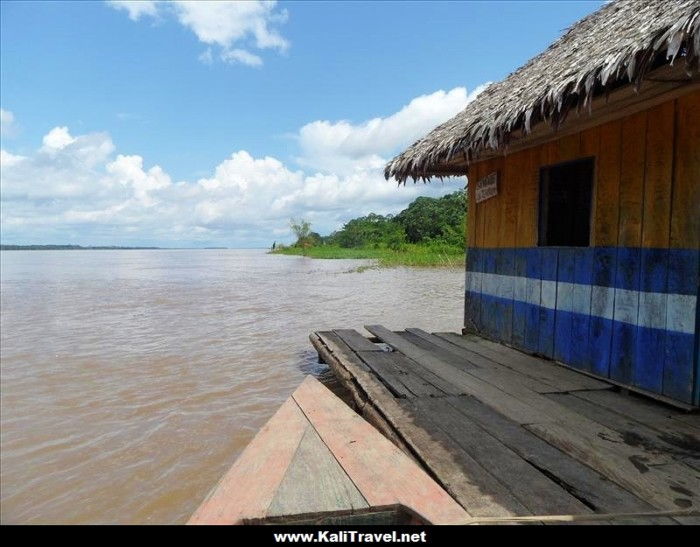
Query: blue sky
[[202, 123]]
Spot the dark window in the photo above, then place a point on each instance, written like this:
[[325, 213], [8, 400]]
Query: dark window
[[565, 203]]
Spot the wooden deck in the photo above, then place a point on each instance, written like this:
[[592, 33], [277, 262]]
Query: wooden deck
[[318, 462], [506, 433]]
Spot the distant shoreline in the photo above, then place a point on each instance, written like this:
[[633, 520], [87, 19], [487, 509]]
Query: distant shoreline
[[98, 248]]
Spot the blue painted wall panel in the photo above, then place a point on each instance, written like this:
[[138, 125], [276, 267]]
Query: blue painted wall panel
[[564, 305], [651, 338], [519, 298], [683, 273], [678, 370], [504, 309], [533, 288], [624, 313], [580, 323], [548, 300], [623, 346], [602, 307]]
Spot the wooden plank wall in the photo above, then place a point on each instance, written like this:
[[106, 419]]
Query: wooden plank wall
[[645, 237]]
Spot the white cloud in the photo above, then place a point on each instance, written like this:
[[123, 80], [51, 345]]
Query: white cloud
[[241, 56], [8, 127], [128, 171], [135, 8], [57, 139], [79, 183], [9, 160], [342, 146], [226, 25]]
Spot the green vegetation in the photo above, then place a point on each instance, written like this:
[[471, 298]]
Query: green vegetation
[[429, 232]]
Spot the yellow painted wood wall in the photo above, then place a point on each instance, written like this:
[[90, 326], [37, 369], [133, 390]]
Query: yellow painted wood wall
[[646, 191]]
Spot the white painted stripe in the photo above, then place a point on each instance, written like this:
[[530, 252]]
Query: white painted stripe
[[506, 286], [675, 312], [565, 296], [602, 301], [626, 306], [581, 299], [548, 297], [680, 313], [533, 288], [520, 289], [652, 310]]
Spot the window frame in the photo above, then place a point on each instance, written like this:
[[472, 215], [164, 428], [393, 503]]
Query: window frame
[[544, 204]]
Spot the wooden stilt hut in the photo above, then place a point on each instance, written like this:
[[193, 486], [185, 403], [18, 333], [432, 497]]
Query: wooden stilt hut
[[584, 198]]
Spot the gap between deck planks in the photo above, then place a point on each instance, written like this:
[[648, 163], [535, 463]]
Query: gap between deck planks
[[492, 390]]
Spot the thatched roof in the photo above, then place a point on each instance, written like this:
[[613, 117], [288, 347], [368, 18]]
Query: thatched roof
[[616, 45]]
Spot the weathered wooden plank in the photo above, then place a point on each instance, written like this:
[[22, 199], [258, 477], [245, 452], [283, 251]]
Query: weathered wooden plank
[[356, 341], [473, 282], [487, 367], [581, 299], [685, 220], [602, 306], [632, 179], [681, 368], [532, 488], [315, 482], [490, 490], [526, 235], [434, 454], [658, 174], [412, 351], [623, 354], [693, 420], [492, 395], [380, 471], [606, 189], [590, 147], [359, 380], [403, 382], [508, 188], [569, 147], [471, 207], [248, 488], [664, 483], [656, 416], [330, 335], [651, 320], [539, 369], [506, 393], [387, 374], [585, 483], [505, 260], [680, 379], [563, 341], [410, 367], [533, 295], [548, 298], [520, 303], [634, 433]]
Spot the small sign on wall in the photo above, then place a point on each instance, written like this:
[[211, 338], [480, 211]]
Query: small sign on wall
[[487, 187]]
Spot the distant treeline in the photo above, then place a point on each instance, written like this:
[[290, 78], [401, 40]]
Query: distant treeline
[[64, 248], [426, 221]]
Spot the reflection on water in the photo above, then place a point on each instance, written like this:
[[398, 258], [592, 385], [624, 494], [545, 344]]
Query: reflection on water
[[131, 380]]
